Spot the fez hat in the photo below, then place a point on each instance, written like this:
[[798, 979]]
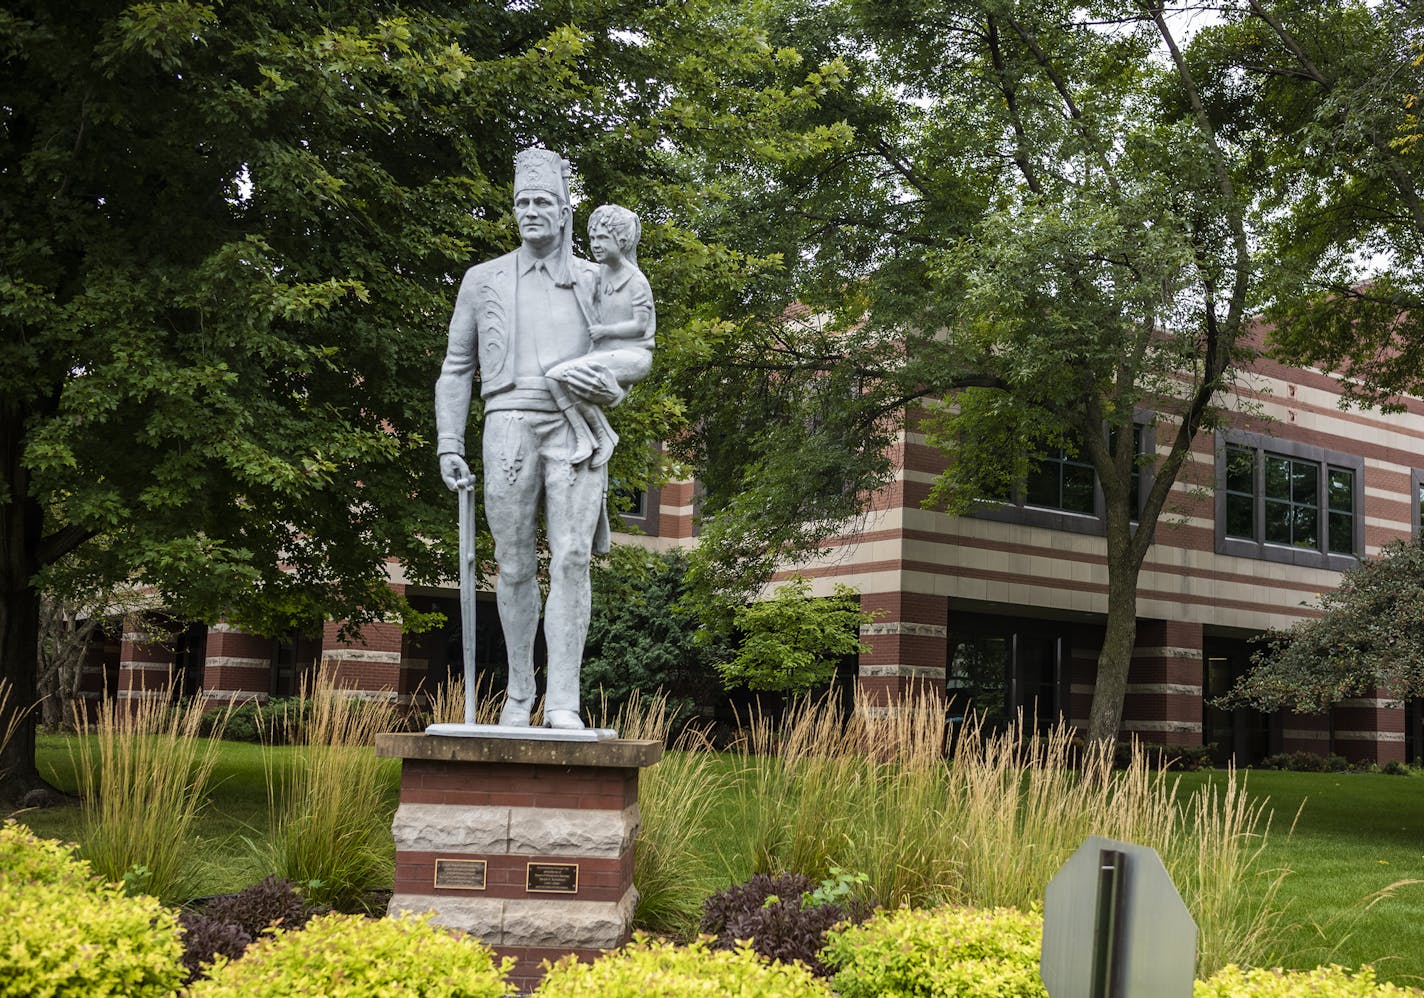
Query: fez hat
[[538, 169]]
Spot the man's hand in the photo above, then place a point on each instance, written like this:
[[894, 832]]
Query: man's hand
[[592, 382], [454, 471]]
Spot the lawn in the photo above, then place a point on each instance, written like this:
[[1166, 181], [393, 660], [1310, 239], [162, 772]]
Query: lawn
[[1356, 834]]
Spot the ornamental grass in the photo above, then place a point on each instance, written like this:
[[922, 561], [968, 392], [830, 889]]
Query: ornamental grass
[[142, 771], [675, 798], [330, 824], [990, 826]]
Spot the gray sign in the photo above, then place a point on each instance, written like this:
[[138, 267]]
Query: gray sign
[[1114, 926]]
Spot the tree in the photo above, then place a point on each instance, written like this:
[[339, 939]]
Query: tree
[[1369, 636], [229, 241], [1032, 237], [643, 638], [1328, 93], [790, 642]]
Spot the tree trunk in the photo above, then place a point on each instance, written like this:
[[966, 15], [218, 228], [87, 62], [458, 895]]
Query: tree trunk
[[1119, 638], [21, 529]]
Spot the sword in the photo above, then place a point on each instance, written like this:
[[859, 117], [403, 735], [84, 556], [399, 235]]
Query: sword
[[467, 590]]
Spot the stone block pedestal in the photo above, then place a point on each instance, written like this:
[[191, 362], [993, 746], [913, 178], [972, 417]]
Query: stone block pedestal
[[526, 843]]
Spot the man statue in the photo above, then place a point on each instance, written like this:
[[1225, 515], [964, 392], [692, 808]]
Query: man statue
[[516, 318]]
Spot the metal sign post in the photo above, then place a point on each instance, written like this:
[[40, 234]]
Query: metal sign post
[[468, 573]]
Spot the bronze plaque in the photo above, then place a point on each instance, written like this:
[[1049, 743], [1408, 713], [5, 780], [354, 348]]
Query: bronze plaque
[[552, 878], [460, 874]]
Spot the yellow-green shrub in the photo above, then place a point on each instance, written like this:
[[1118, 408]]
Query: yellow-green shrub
[[347, 956], [932, 952], [658, 969], [1322, 982], [58, 941], [25, 858]]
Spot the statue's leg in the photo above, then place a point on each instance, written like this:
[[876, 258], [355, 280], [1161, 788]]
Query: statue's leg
[[573, 497], [512, 484]]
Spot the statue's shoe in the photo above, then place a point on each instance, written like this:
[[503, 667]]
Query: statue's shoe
[[514, 715], [566, 719]]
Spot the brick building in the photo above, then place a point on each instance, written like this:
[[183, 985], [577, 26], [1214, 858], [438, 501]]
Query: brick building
[[1004, 608]]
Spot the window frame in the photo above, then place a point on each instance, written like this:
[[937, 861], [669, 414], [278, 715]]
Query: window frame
[[1017, 510], [1257, 546], [1416, 501]]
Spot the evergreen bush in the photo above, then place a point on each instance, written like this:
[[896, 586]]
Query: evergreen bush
[[658, 969], [937, 953], [347, 956]]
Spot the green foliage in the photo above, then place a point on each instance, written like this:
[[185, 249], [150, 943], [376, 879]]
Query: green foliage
[[272, 722], [791, 642], [230, 243], [1325, 96], [642, 637], [1322, 982], [25, 858], [63, 932], [929, 953], [343, 956], [658, 969], [1371, 635]]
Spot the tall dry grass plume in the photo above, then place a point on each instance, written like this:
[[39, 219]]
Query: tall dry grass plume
[[671, 864], [329, 800], [447, 704], [11, 716], [142, 771], [991, 825]]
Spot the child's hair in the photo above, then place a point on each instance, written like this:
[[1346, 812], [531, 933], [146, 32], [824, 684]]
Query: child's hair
[[624, 226]]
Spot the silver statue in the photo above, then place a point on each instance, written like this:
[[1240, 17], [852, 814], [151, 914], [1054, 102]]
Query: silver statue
[[556, 340]]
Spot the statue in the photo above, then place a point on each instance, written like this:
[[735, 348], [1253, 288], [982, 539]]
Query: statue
[[555, 339]]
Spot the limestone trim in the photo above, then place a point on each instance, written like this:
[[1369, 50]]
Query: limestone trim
[[1162, 726], [1370, 736], [239, 696], [1376, 702], [147, 666], [534, 831], [904, 669], [1175, 689], [905, 627], [1166, 651], [232, 661], [361, 655], [536, 922], [1305, 734]]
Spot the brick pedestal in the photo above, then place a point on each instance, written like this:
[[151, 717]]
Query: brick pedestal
[[526, 844]]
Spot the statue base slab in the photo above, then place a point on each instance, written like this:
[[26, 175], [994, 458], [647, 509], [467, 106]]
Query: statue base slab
[[526, 843], [523, 731]]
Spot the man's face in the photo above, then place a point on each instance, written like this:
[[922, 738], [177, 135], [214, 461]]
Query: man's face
[[541, 217]]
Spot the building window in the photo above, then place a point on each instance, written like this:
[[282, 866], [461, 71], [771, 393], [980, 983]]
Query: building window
[[1289, 502], [1061, 492], [1061, 481], [1416, 491]]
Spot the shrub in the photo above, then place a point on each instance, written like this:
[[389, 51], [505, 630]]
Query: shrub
[[778, 915], [271, 902], [1322, 982], [273, 722], [55, 940], [206, 938], [1395, 768], [25, 858], [1182, 758], [1305, 762], [347, 956], [658, 969], [927, 953]]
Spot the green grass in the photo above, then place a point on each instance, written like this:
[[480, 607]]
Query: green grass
[[1356, 835]]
